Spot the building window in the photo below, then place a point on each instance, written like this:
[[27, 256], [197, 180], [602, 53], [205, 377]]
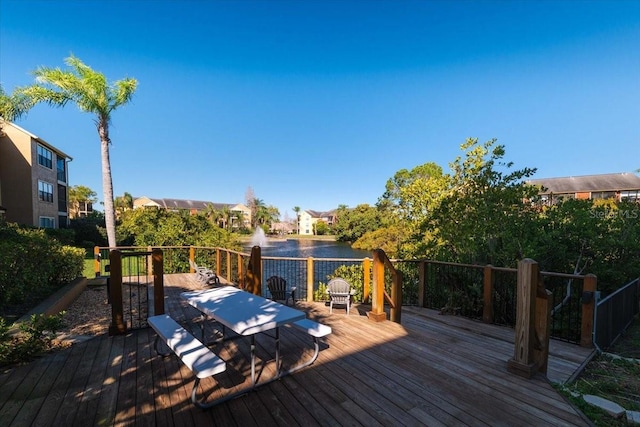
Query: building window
[[63, 221], [630, 196], [62, 198], [45, 191], [47, 222], [45, 157], [603, 195], [62, 169]]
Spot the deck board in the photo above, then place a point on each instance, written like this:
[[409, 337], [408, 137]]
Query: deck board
[[430, 370]]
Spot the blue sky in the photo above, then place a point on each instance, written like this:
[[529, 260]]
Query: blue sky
[[318, 103]]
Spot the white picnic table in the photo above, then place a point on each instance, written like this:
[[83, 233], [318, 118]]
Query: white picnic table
[[246, 314]]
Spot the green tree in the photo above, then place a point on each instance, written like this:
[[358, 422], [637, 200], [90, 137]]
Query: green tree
[[123, 203], [259, 214], [351, 224], [91, 92], [584, 236], [159, 227], [215, 216], [273, 215], [226, 218], [320, 228], [412, 195], [410, 198], [296, 209], [486, 215], [389, 238]]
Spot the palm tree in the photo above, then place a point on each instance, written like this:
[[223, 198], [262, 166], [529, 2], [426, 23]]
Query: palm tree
[[258, 215], [13, 106], [296, 209], [123, 203], [91, 92]]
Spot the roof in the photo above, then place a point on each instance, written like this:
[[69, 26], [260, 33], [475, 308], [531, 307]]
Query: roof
[[189, 204], [589, 183], [317, 214]]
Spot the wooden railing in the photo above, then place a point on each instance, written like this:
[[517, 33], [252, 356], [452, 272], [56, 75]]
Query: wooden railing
[[137, 274], [387, 283], [495, 299]]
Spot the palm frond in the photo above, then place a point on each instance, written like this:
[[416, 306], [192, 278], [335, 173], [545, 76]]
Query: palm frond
[[123, 91], [37, 93]]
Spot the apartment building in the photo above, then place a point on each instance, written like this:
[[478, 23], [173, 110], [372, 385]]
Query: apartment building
[[194, 207], [33, 179], [617, 186], [308, 218]]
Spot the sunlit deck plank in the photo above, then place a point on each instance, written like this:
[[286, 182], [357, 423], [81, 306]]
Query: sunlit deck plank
[[431, 370]]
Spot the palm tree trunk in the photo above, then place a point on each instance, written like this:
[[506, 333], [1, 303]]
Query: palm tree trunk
[[107, 183]]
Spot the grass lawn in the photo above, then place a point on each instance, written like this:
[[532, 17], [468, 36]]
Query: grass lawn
[[89, 271], [617, 380]]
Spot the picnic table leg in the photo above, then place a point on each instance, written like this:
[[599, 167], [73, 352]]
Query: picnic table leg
[[156, 344], [277, 351], [202, 319], [253, 360]]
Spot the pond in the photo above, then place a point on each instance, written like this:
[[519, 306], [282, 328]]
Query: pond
[[304, 248], [327, 255]]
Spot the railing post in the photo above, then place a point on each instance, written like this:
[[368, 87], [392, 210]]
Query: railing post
[[377, 303], [149, 262], [366, 280], [96, 260], [253, 282], [543, 326], [218, 263], [240, 267], [117, 313], [589, 287], [523, 363], [395, 314], [487, 310], [158, 281], [422, 280], [192, 258], [310, 279], [229, 264]]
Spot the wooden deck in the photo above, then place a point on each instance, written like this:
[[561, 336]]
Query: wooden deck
[[430, 370]]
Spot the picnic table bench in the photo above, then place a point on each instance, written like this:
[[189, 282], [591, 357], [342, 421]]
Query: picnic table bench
[[194, 354]]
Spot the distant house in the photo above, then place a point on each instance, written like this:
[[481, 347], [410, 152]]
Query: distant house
[[192, 206], [80, 209], [618, 186], [33, 179], [283, 228], [308, 218]]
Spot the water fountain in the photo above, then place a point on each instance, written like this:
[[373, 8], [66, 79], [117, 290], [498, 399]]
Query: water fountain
[[258, 238]]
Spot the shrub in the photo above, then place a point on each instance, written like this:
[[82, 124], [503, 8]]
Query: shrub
[[33, 265], [354, 274], [69, 265], [34, 339]]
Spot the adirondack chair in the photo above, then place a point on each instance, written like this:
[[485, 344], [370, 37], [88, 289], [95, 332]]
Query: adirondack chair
[[204, 274], [278, 289], [340, 293]]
